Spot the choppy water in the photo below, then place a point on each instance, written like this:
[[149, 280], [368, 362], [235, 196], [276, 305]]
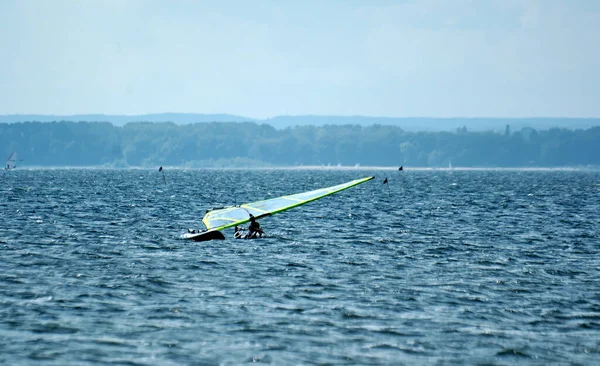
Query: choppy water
[[493, 267]]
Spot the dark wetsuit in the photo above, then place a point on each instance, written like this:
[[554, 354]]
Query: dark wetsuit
[[254, 230]]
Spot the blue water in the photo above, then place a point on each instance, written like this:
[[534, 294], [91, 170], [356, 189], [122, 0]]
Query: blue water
[[447, 267]]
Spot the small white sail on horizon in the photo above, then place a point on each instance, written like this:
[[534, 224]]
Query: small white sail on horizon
[[11, 163]]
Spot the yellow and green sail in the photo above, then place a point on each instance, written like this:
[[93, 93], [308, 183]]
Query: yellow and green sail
[[231, 216]]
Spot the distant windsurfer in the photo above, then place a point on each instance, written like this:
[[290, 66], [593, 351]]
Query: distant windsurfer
[[160, 170]]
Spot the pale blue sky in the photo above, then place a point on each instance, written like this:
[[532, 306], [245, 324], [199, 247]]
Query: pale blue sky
[[438, 58]]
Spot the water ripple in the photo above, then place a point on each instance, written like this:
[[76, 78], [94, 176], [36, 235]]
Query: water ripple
[[461, 267]]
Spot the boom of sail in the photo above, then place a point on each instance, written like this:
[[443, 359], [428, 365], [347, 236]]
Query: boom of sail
[[11, 163]]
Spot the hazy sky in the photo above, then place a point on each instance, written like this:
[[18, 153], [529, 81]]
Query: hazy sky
[[439, 58]]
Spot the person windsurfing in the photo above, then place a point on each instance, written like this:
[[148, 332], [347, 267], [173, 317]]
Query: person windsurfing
[[254, 230]]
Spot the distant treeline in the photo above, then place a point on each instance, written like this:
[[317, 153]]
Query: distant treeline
[[412, 124], [230, 144]]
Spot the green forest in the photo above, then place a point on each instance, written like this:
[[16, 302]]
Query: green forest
[[248, 144]]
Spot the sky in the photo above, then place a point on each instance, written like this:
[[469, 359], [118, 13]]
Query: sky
[[262, 58]]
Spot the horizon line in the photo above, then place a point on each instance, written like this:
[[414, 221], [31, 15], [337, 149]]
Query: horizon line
[[294, 115]]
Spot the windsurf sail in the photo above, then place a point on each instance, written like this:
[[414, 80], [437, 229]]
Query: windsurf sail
[[11, 163], [231, 216]]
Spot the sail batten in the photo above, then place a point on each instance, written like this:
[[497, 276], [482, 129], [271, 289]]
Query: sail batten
[[236, 215]]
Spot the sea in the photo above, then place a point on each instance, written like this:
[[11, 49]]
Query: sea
[[434, 267]]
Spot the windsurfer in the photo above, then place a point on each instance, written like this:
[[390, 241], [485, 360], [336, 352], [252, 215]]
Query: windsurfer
[[254, 230]]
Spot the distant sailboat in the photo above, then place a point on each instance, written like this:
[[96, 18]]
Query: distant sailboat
[[11, 163], [449, 164]]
